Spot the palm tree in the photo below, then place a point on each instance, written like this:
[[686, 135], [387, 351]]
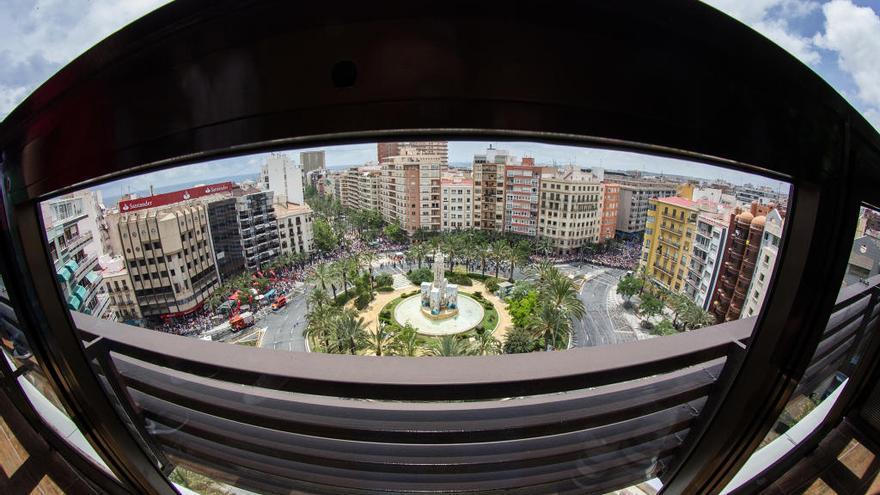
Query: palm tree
[[498, 253], [483, 253], [407, 341], [418, 251], [551, 325], [695, 317], [349, 332], [517, 254], [543, 270], [486, 344], [560, 303], [325, 274], [544, 246], [448, 346], [379, 340]]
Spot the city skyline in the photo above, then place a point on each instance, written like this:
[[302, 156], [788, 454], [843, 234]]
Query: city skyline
[[460, 152]]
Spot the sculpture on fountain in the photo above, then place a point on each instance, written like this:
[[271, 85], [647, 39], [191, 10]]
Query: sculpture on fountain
[[439, 298]]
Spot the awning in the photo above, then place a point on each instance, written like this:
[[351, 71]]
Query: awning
[[80, 292], [92, 276], [63, 274], [87, 311], [74, 303], [72, 265]]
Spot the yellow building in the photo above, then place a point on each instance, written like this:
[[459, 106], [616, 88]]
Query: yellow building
[[669, 235]]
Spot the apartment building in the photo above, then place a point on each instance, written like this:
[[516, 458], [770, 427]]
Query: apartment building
[[610, 199], [410, 190], [312, 161], [437, 151], [770, 240], [283, 177], [669, 236], [633, 201], [738, 264], [521, 184], [488, 172], [165, 241], [710, 239], [359, 187], [74, 245], [457, 196], [120, 289], [258, 228], [294, 228], [570, 209]]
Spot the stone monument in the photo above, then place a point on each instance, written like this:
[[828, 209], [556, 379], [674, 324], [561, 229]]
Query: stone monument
[[439, 299]]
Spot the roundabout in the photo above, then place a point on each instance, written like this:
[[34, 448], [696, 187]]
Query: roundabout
[[470, 314]]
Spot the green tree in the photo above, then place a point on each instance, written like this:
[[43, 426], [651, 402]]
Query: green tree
[[651, 306], [485, 343], [695, 317], [379, 340], [417, 252], [560, 304], [349, 333], [448, 346], [325, 240], [665, 327], [522, 309], [394, 233], [420, 275], [407, 341], [629, 286], [498, 253], [519, 253], [518, 341], [325, 275]]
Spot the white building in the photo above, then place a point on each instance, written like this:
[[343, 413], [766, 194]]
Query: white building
[[120, 289], [706, 194], [765, 263], [570, 209], [284, 177], [458, 203], [294, 228], [74, 242], [705, 263]]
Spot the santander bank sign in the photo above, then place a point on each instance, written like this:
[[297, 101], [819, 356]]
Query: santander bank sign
[[174, 197]]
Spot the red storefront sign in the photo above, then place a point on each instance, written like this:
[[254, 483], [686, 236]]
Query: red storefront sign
[[173, 197]]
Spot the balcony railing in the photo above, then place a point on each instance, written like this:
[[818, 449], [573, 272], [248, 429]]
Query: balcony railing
[[593, 418]]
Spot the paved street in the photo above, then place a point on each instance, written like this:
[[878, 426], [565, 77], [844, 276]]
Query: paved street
[[284, 328], [602, 325]]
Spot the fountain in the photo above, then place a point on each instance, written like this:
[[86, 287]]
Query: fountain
[[439, 298]]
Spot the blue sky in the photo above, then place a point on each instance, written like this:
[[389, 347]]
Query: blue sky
[[839, 39]]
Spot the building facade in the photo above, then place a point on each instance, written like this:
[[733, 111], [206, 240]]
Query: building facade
[[669, 236], [435, 151], [710, 238], [632, 211], [312, 161], [610, 200], [258, 228], [410, 190], [120, 290], [168, 255], [521, 185], [74, 245], [284, 178], [294, 228], [737, 265], [770, 241], [488, 173], [225, 237], [457, 195], [570, 209]]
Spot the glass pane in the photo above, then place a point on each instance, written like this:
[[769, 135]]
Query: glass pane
[[415, 249]]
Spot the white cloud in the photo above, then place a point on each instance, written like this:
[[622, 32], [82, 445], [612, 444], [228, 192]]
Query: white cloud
[[854, 33], [772, 18], [44, 35]]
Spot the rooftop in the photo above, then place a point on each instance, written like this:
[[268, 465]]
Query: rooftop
[[676, 201], [291, 209]]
